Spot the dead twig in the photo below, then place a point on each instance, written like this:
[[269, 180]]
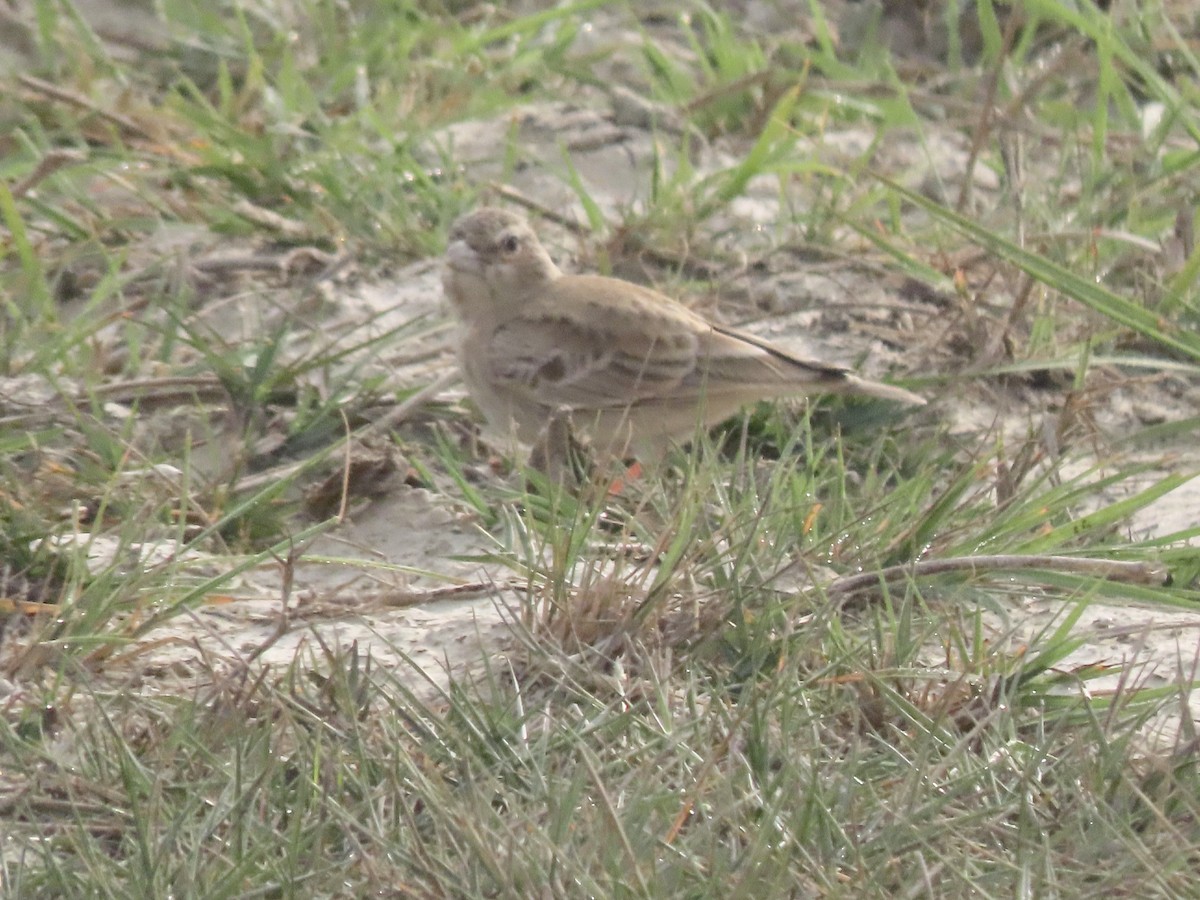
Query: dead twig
[[50, 163], [78, 100], [411, 405], [273, 221], [204, 387], [512, 195], [287, 568], [1107, 569], [985, 123], [400, 598], [299, 258], [393, 418]]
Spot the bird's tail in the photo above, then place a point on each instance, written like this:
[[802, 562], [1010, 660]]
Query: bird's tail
[[855, 385]]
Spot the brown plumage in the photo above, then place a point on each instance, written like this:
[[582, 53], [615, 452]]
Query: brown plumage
[[635, 369]]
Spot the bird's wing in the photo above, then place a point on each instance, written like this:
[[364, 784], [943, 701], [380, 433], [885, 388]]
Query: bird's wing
[[732, 357], [729, 357], [573, 347]]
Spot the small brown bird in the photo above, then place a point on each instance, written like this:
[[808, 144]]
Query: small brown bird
[[636, 370]]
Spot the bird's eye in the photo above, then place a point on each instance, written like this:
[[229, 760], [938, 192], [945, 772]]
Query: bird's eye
[[510, 244]]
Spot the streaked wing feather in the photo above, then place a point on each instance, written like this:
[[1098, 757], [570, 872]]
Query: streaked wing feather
[[729, 357], [557, 362]]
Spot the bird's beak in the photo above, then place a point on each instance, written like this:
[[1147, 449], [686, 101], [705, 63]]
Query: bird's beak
[[461, 258]]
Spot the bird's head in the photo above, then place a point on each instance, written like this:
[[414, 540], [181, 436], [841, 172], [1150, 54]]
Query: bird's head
[[494, 257]]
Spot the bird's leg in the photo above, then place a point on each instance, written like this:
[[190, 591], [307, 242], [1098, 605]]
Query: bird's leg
[[558, 454]]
